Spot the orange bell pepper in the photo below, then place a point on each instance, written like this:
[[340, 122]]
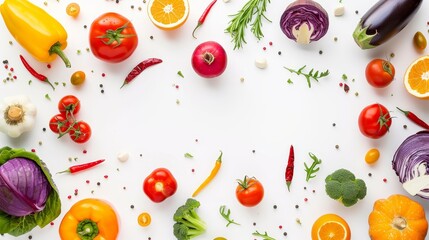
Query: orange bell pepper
[[90, 219]]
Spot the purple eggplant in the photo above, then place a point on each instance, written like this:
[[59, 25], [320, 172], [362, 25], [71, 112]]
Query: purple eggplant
[[383, 21]]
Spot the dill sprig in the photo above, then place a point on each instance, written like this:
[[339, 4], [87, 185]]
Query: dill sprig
[[240, 21], [315, 75]]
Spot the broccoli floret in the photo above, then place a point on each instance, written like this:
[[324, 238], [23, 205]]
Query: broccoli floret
[[343, 186], [187, 222]]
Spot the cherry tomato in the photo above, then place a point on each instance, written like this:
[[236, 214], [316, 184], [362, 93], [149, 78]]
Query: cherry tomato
[[59, 123], [112, 37], [379, 73], [69, 105], [159, 185], [249, 191], [144, 219], [419, 41], [80, 132], [73, 9], [374, 121], [209, 59], [372, 155], [77, 78]]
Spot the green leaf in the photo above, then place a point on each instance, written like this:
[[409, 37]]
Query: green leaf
[[188, 155]]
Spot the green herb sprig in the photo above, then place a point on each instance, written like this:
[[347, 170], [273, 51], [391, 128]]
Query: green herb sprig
[[226, 214], [252, 12], [315, 75], [312, 170], [264, 236]]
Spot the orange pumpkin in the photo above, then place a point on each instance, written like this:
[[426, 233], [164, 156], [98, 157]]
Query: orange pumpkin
[[397, 218]]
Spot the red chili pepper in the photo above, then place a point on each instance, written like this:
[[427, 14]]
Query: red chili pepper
[[415, 119], [289, 168], [140, 68], [33, 72], [81, 167], [203, 16]]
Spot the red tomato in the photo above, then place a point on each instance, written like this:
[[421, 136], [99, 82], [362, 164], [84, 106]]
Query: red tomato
[[112, 37], [374, 121], [59, 123], [69, 105], [209, 59], [80, 132], [159, 185], [379, 73], [249, 192]]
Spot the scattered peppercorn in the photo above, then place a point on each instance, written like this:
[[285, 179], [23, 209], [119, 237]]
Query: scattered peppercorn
[[320, 52], [297, 206], [280, 53], [132, 206], [98, 183], [44, 129], [369, 174], [405, 126], [275, 206], [285, 234]]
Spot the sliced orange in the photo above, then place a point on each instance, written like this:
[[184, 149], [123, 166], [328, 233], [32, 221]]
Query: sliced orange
[[330, 227], [168, 14], [416, 78]]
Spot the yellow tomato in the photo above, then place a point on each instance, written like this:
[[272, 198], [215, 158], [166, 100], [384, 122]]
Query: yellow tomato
[[73, 9], [144, 219], [77, 78], [372, 155], [219, 238]]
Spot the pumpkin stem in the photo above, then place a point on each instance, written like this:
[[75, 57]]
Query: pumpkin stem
[[399, 223]]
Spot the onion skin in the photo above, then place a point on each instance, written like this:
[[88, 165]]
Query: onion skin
[[383, 21], [307, 12], [412, 153]]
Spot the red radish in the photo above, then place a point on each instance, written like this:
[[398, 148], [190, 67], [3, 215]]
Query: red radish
[[209, 59]]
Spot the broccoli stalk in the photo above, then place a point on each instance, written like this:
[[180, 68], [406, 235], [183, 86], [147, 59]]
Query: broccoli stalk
[[188, 223], [343, 186]]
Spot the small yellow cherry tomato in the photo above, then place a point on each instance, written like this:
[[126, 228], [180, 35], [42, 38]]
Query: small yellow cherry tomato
[[144, 219], [372, 155], [77, 78], [73, 9], [219, 238], [419, 41]]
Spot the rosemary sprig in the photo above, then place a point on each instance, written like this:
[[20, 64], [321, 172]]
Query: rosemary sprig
[[226, 214], [237, 26], [312, 170], [264, 236], [310, 75]]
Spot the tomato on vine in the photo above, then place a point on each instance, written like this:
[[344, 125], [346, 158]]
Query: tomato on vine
[[59, 123], [80, 132], [69, 105], [374, 121]]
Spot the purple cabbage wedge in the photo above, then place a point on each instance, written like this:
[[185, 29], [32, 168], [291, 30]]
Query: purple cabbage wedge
[[23, 187], [304, 21], [411, 164], [28, 196]]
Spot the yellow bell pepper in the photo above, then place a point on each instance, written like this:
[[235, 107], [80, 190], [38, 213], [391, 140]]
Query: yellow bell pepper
[[90, 219], [37, 31]]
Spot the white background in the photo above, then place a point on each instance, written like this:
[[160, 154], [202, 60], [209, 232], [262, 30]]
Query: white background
[[262, 113]]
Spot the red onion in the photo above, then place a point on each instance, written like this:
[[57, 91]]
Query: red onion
[[411, 164], [304, 21]]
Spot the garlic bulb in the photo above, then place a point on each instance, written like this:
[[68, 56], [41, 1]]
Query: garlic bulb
[[18, 115]]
